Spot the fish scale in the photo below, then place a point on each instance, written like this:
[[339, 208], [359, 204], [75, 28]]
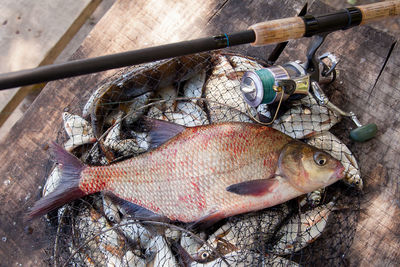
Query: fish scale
[[210, 157], [202, 173]]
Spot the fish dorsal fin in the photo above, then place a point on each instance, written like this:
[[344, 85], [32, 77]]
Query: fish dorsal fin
[[161, 131], [257, 187]]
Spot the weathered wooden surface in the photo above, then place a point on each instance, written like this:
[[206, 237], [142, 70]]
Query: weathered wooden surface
[[33, 33], [369, 85], [132, 25]]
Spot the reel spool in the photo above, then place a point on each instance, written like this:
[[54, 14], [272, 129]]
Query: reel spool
[[269, 85]]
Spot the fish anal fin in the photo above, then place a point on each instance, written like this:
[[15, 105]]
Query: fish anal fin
[[206, 221], [161, 131], [256, 188], [134, 210]]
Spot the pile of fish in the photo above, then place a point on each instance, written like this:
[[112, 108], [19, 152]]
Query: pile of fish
[[191, 91]]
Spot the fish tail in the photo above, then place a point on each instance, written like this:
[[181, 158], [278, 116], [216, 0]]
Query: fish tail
[[68, 187]]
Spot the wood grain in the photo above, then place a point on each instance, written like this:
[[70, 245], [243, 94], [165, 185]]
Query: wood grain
[[368, 84], [31, 36]]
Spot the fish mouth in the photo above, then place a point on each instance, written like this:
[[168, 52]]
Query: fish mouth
[[339, 172]]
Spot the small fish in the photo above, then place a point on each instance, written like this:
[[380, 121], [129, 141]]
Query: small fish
[[134, 111], [223, 89], [203, 173], [305, 119], [314, 198], [303, 230], [243, 64], [147, 78], [331, 144], [244, 258], [79, 131], [163, 254], [132, 260], [194, 86], [125, 147], [188, 114], [135, 232], [169, 94], [110, 210], [242, 232], [190, 244]]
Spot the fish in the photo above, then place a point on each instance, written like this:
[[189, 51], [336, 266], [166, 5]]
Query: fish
[[194, 86], [335, 147], [302, 230], [201, 174], [244, 258], [190, 244], [188, 114], [306, 118], [135, 109], [135, 232], [130, 259], [144, 79], [79, 131], [110, 210], [163, 254], [242, 232], [222, 90]]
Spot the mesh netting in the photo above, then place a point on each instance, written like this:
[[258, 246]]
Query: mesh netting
[[106, 127]]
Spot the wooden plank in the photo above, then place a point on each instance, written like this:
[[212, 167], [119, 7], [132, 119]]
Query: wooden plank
[[148, 22], [134, 25], [33, 36], [374, 97], [127, 25]]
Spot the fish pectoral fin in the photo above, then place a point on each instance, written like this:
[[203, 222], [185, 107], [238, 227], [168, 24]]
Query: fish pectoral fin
[[254, 187], [161, 131]]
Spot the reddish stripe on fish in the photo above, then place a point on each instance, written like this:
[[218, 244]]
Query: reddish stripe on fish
[[205, 172]]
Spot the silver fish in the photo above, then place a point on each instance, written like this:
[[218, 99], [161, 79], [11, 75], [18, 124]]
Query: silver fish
[[79, 131], [188, 114], [303, 230], [194, 86], [243, 64], [223, 86], [132, 260], [242, 232], [110, 210], [305, 119], [125, 147], [135, 110], [332, 145], [190, 244], [163, 254], [244, 258], [134, 231]]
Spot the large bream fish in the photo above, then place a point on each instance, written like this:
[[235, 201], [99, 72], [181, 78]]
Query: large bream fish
[[203, 173]]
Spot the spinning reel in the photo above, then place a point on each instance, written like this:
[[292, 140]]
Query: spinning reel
[[294, 80]]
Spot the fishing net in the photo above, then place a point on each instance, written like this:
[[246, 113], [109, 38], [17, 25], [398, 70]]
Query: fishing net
[[106, 126]]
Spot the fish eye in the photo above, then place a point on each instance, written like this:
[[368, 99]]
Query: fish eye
[[320, 158], [204, 255]]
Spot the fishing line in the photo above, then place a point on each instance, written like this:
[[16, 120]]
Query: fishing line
[[275, 115]]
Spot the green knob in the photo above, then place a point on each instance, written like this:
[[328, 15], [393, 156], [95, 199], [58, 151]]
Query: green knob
[[364, 133]]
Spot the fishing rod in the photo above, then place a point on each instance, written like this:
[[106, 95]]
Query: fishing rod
[[274, 31]]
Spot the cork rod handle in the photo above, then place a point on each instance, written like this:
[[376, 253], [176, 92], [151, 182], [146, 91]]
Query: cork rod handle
[[379, 11], [281, 30]]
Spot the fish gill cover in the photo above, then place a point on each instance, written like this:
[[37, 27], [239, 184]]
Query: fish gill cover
[[107, 126]]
